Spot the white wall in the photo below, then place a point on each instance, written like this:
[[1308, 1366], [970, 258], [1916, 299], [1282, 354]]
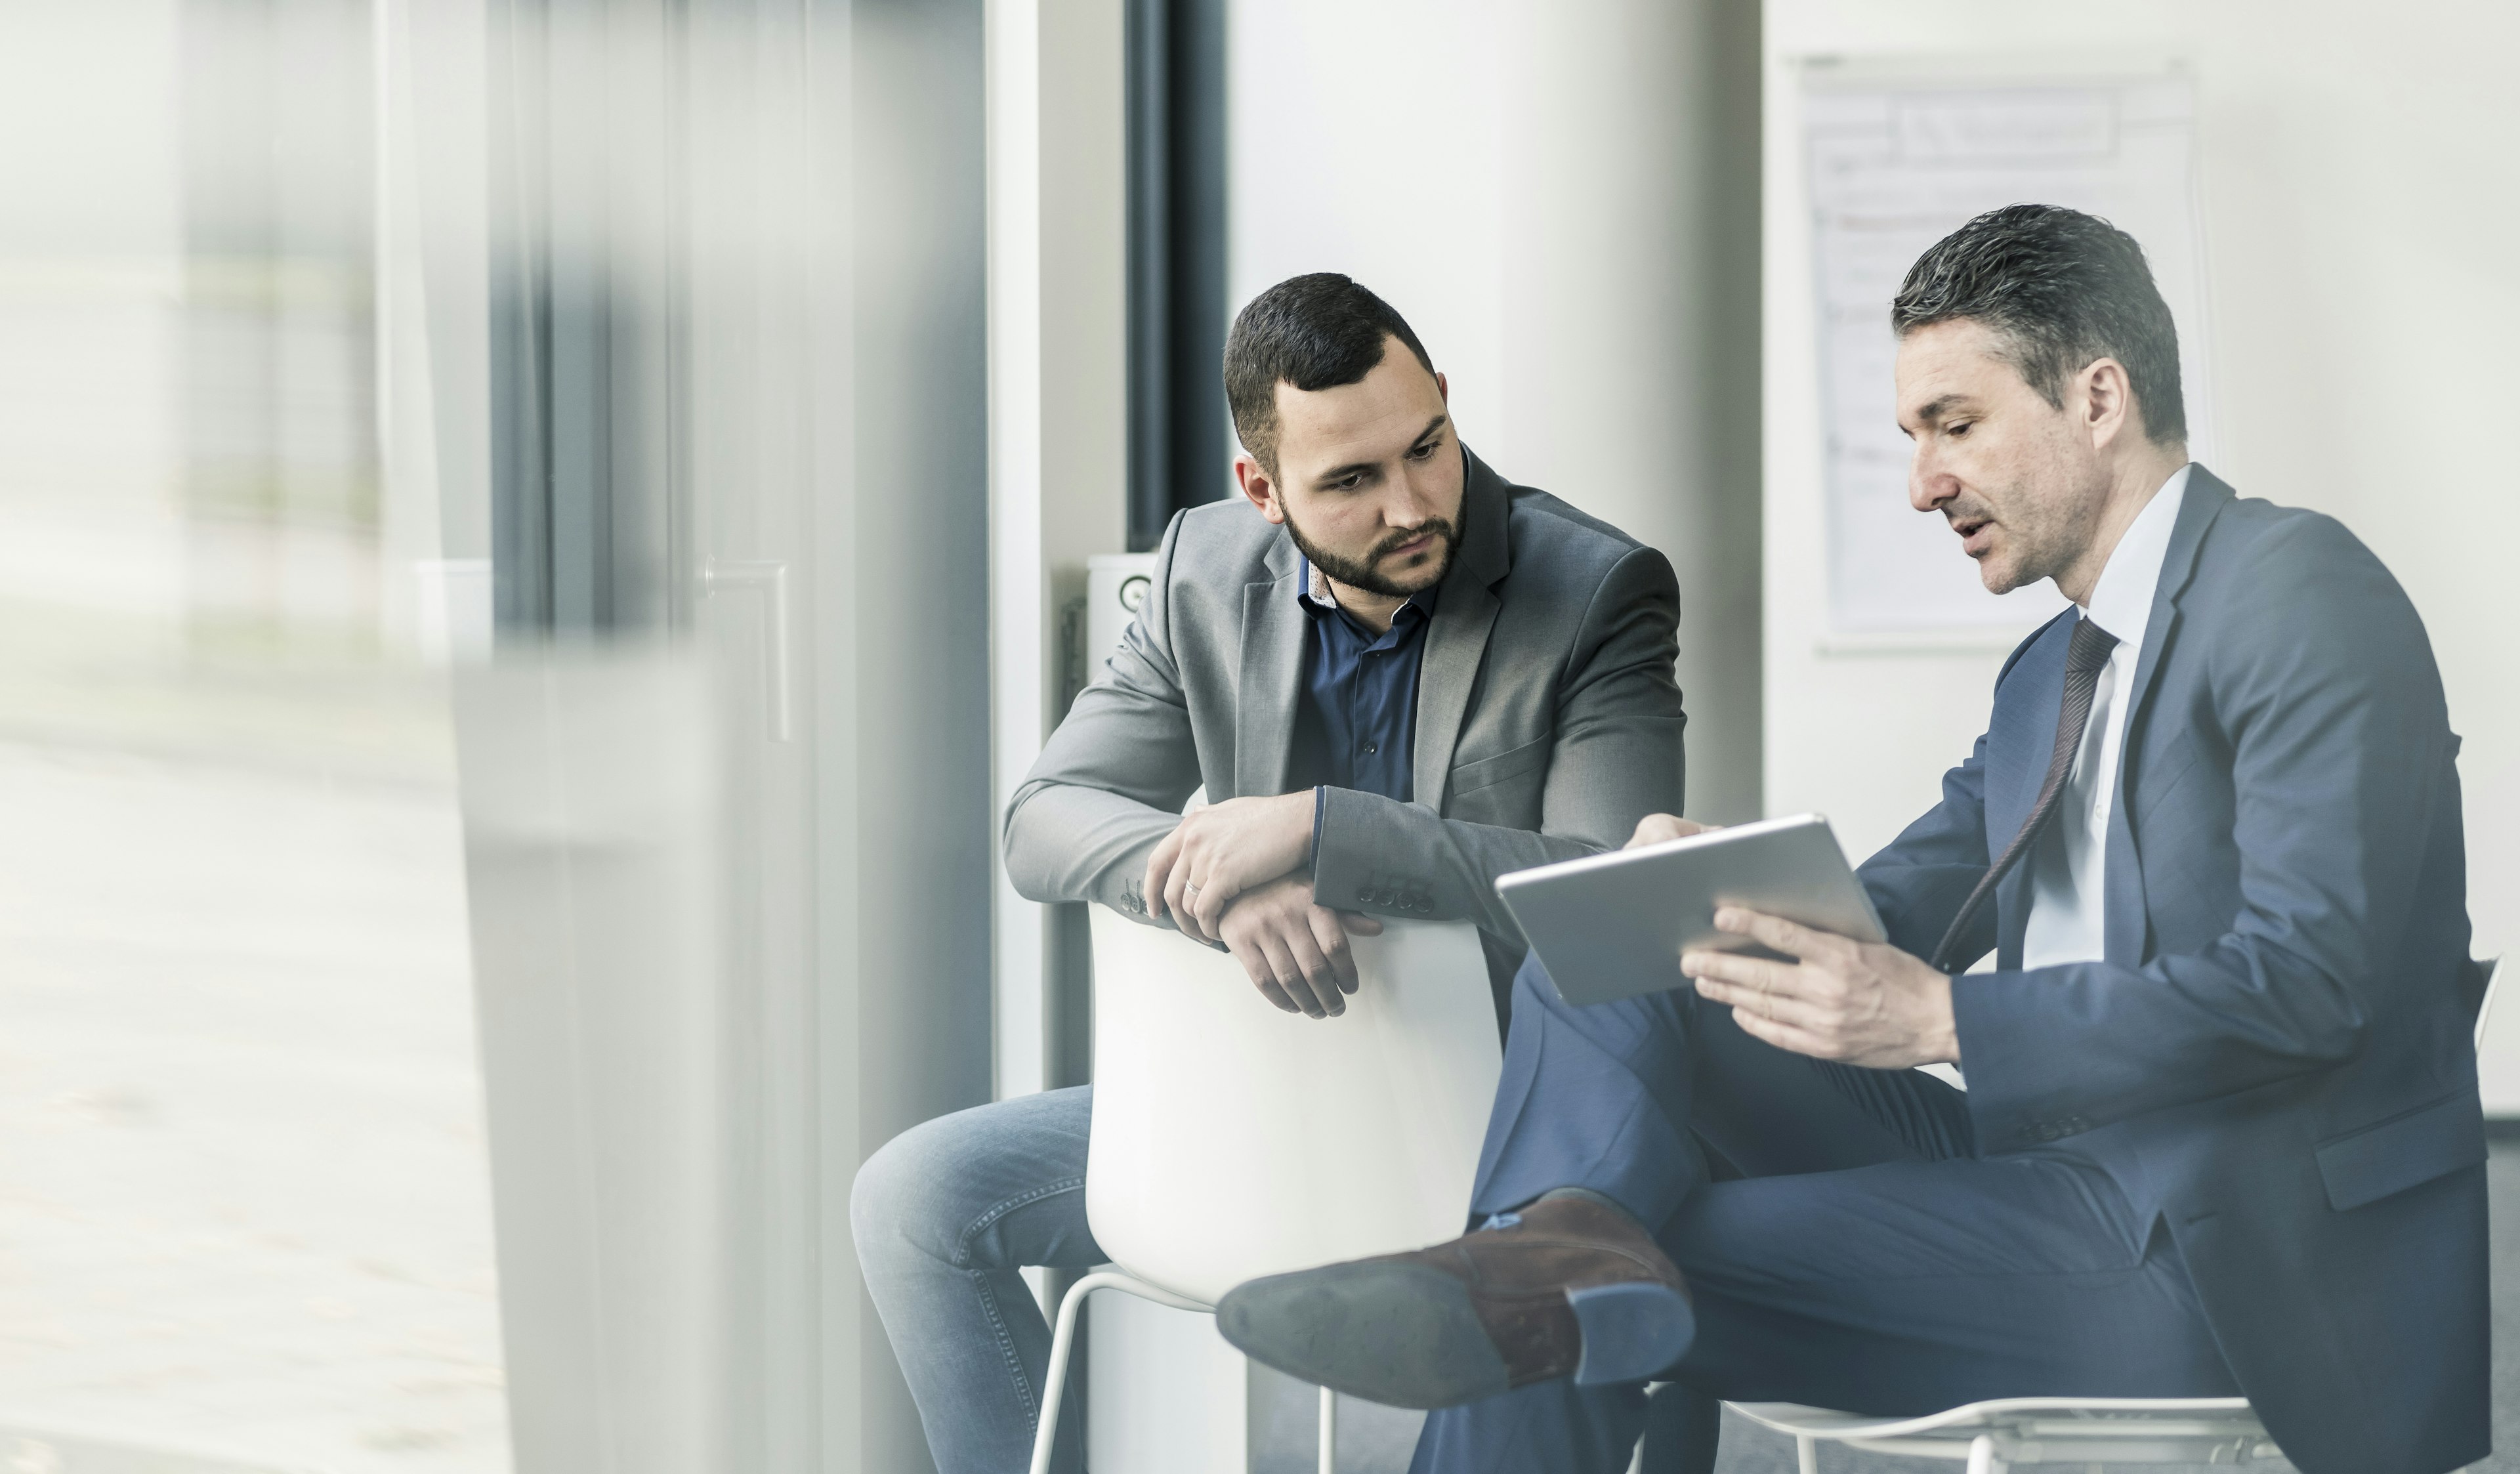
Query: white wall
[[1558, 197], [2358, 204]]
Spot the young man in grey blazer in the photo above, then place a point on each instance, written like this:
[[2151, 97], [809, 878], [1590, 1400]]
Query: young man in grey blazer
[[1397, 676], [2221, 1133]]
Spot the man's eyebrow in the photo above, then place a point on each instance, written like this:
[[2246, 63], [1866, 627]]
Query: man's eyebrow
[[1932, 411], [1362, 467]]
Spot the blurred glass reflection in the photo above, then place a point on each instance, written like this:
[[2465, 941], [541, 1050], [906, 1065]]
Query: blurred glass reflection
[[245, 1221], [400, 390]]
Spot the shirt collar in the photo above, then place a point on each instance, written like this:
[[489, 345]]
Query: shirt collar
[[2122, 600], [1317, 587]]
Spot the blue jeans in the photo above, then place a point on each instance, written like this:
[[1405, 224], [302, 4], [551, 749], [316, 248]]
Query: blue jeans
[[945, 1217]]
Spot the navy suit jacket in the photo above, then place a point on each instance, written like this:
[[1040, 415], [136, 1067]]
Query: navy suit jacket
[[2274, 1055]]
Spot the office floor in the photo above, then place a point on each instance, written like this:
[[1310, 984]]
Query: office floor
[[245, 1224]]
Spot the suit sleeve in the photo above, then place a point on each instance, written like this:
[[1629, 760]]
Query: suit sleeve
[[1112, 780], [2329, 706], [1615, 756]]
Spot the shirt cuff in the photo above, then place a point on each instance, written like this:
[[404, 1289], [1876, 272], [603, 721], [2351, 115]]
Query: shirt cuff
[[1321, 807]]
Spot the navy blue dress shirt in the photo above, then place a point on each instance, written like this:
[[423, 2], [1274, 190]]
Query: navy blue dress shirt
[[1357, 721]]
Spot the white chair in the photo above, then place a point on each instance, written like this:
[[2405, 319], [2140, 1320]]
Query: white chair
[[1233, 1140], [1995, 1436]]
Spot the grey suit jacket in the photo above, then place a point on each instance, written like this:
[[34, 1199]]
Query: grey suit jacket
[[1548, 718]]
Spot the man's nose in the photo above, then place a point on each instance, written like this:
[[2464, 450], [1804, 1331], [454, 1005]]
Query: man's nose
[[1408, 506], [1929, 486]]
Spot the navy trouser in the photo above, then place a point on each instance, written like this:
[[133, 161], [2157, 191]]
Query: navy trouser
[[1855, 1253]]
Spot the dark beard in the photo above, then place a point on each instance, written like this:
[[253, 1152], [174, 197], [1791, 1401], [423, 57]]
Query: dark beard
[[1362, 575]]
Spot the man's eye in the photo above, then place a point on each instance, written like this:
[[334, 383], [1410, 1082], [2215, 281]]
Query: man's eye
[[1956, 432], [1347, 483], [1424, 451]]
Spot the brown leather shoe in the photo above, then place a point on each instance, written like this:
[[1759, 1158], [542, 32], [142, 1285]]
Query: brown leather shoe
[[1570, 1286]]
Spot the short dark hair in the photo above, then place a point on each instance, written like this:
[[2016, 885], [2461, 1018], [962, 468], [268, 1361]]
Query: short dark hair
[[1315, 332], [2059, 289]]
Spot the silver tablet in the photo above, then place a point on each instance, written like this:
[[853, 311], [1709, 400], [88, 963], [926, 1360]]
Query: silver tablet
[[1609, 926]]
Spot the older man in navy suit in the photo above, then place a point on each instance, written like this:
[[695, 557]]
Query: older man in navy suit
[[2220, 1134]]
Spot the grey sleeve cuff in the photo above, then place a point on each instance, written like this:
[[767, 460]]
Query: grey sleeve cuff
[[1383, 875]]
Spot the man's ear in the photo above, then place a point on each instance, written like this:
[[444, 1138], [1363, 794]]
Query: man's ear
[[2108, 401], [1443, 390], [1255, 483]]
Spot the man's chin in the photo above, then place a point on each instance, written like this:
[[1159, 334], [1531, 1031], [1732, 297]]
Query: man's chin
[[1998, 569], [1424, 571], [2001, 578]]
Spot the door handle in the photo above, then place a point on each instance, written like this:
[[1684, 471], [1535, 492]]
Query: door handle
[[767, 578]]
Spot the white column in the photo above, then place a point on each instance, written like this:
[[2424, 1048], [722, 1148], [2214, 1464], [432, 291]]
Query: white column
[[1561, 196], [1629, 244], [1058, 408]]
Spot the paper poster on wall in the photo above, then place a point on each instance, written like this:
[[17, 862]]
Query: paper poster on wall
[[1896, 160]]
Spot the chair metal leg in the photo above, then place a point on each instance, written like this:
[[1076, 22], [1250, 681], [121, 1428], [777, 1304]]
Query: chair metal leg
[[1045, 1433], [1062, 1337], [1806, 1455], [1329, 1439], [1982, 1459]]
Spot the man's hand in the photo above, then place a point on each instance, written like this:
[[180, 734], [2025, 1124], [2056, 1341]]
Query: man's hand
[[1216, 854], [1862, 1002], [1296, 952], [1655, 828]]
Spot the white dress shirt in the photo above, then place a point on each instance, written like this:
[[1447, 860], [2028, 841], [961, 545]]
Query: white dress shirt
[[2068, 865]]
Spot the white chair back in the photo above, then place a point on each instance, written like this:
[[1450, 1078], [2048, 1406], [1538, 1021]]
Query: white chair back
[[1232, 1139]]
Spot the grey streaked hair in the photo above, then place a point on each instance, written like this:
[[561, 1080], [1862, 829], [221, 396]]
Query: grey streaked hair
[[2059, 289]]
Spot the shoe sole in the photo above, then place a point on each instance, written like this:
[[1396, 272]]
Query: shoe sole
[[1406, 1335], [1400, 1334]]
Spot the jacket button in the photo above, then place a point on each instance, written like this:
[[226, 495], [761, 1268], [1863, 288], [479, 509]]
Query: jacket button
[[1425, 908], [1364, 894]]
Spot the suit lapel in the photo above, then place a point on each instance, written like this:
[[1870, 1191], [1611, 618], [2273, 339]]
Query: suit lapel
[[2123, 911], [1271, 681], [2206, 497], [1456, 638]]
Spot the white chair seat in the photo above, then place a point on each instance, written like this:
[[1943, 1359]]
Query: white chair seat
[[1993, 1436], [2004, 1432]]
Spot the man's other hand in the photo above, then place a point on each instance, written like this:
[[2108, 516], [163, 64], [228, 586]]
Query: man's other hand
[[1655, 828], [1862, 1003], [1217, 853], [1296, 952]]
